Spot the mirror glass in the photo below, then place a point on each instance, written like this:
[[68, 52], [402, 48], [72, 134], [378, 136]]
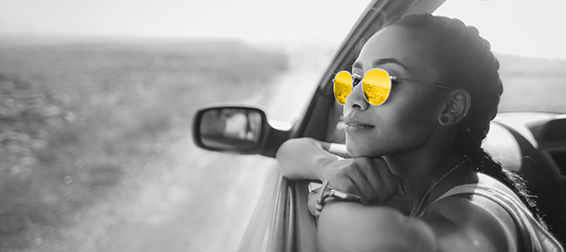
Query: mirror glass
[[230, 128]]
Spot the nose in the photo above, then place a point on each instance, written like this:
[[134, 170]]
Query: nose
[[356, 99]]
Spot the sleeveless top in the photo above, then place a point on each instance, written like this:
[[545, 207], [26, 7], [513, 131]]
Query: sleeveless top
[[534, 236]]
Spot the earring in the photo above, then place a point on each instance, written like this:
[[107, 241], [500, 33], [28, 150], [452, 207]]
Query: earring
[[445, 119]]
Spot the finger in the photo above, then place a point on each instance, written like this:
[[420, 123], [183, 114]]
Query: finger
[[362, 184], [312, 199], [342, 183], [376, 185], [393, 183]]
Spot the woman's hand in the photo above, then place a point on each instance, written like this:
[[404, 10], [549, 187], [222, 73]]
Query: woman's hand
[[368, 177]]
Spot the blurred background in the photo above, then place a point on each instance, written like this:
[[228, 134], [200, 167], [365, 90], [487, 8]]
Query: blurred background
[[96, 107], [97, 100]]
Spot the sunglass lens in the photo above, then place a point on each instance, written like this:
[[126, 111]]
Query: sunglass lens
[[342, 86], [376, 86]]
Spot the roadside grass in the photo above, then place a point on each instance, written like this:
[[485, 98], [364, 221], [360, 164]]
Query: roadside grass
[[75, 119]]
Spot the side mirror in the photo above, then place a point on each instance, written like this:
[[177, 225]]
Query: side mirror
[[242, 130]]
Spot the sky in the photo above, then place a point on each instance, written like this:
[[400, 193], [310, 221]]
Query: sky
[[513, 29], [249, 19], [526, 28]]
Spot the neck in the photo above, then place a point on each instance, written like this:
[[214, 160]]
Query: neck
[[423, 170]]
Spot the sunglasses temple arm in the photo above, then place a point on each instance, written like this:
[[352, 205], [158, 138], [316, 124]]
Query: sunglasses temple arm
[[395, 78]]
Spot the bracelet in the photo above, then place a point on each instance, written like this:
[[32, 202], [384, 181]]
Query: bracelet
[[327, 194]]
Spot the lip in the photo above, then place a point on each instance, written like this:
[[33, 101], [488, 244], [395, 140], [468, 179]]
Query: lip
[[351, 121], [354, 125]]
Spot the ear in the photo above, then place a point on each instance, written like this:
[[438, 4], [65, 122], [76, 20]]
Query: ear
[[457, 105]]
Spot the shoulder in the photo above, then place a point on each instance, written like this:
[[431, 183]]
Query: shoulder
[[480, 218], [472, 219]]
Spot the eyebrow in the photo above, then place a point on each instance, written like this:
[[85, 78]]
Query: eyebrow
[[379, 62]]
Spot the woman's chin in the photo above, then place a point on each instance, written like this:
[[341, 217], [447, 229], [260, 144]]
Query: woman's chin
[[364, 148], [356, 151]]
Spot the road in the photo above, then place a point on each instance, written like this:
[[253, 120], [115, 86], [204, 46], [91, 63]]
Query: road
[[189, 199]]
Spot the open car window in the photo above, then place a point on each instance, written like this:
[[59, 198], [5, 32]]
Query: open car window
[[526, 38]]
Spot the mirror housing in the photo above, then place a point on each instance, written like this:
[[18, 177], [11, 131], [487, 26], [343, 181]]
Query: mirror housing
[[235, 129]]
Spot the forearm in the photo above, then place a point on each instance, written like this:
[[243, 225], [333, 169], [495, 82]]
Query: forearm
[[305, 158]]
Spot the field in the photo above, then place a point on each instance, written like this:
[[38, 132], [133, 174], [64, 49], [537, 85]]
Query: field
[[79, 121], [532, 84]]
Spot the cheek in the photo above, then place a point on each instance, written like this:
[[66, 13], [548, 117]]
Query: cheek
[[406, 131], [404, 122], [416, 107], [398, 129], [416, 120]]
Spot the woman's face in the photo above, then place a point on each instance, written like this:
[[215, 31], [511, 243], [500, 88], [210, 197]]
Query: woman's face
[[406, 120]]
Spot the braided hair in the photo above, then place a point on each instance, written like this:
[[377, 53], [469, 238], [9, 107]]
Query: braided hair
[[464, 60]]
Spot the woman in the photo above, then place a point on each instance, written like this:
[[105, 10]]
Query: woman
[[414, 154]]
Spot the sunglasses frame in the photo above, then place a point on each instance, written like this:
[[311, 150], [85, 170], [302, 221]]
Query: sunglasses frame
[[391, 79]]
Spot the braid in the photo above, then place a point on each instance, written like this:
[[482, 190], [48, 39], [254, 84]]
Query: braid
[[464, 60]]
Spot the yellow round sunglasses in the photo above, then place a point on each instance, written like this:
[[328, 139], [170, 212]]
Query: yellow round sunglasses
[[376, 85]]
